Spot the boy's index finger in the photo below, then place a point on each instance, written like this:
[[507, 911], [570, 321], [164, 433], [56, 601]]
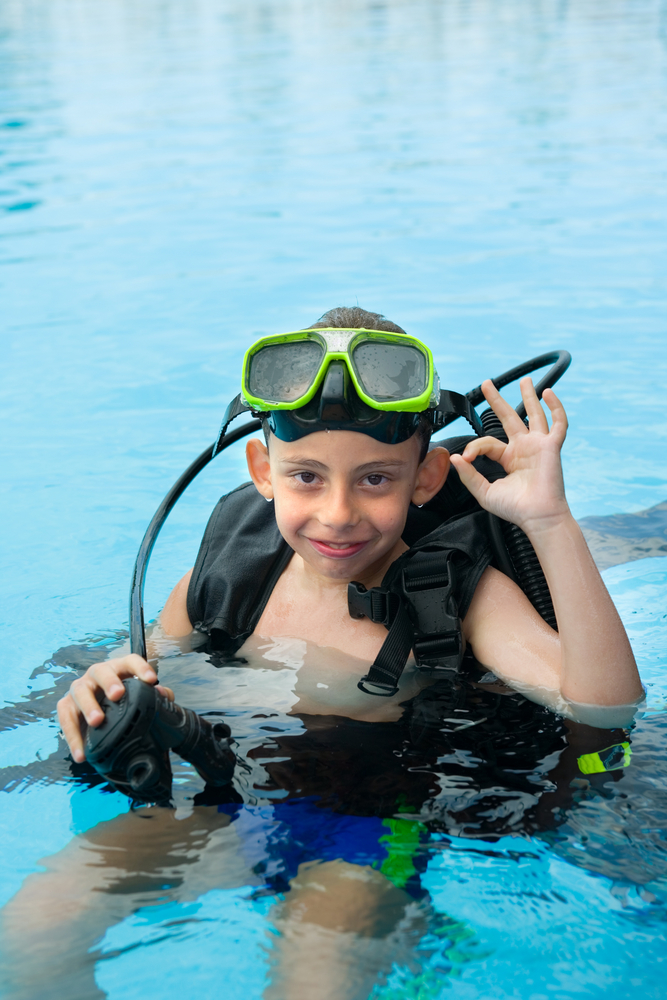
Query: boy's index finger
[[509, 418]]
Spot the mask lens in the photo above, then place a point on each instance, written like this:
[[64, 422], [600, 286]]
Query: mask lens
[[281, 373], [389, 372]]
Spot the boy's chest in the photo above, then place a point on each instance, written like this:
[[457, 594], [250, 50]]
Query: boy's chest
[[321, 617]]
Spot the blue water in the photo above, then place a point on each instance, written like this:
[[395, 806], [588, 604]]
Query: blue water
[[178, 177]]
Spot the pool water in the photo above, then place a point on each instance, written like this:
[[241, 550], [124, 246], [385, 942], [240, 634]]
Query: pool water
[[177, 178]]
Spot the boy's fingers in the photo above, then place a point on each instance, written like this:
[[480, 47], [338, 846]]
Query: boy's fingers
[[559, 422], [81, 702], [167, 692], [70, 723], [536, 416], [471, 478], [509, 418], [489, 446], [83, 695], [107, 677], [110, 673], [132, 665]]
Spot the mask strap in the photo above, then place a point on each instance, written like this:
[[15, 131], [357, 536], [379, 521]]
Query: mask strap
[[235, 408], [454, 404]]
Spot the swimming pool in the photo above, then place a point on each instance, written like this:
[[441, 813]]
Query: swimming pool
[[177, 178]]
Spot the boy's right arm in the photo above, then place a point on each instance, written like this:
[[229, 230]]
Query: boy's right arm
[[174, 616], [80, 704]]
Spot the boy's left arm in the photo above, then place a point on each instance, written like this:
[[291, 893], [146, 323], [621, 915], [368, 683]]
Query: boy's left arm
[[589, 660]]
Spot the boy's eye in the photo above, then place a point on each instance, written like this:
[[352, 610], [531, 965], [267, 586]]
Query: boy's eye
[[306, 477], [375, 479]]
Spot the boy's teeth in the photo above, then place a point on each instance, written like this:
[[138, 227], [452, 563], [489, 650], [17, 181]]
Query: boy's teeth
[[339, 545]]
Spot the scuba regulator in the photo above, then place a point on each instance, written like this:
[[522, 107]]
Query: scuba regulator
[[131, 746]]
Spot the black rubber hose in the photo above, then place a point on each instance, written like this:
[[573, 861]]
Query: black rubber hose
[[559, 360], [527, 571], [137, 633]]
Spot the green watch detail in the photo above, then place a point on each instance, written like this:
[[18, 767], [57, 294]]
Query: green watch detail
[[610, 759]]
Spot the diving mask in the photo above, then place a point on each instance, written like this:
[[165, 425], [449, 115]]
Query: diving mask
[[378, 383], [389, 371]]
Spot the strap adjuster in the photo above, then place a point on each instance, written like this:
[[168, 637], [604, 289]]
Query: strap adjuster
[[438, 648], [376, 687]]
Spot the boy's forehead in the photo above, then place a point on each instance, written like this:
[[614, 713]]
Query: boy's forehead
[[336, 446]]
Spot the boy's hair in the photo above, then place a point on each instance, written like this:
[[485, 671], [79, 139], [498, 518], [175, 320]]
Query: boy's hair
[[354, 318]]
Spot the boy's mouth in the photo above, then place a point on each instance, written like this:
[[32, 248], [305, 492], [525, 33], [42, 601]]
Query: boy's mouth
[[337, 550]]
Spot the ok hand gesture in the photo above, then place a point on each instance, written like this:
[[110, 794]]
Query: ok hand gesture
[[532, 495]]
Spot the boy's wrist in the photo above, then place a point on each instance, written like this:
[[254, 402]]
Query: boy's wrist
[[547, 529]]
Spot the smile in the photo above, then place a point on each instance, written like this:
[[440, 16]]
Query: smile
[[337, 550]]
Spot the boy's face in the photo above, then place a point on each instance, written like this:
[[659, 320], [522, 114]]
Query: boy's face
[[341, 498]]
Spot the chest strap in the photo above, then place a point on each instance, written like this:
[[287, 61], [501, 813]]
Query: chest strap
[[421, 613]]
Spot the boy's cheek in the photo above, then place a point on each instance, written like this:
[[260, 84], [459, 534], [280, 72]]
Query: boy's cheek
[[391, 512], [290, 517]]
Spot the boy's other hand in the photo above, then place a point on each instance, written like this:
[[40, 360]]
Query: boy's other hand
[[81, 705], [532, 495]]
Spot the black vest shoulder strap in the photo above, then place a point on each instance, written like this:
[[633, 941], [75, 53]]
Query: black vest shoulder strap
[[241, 557], [423, 599]]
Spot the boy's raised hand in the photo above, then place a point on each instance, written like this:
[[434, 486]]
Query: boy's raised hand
[[532, 495], [80, 704]]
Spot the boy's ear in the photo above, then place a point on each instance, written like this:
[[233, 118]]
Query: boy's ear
[[259, 467], [431, 475]]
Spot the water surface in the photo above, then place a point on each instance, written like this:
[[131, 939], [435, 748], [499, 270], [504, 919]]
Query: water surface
[[177, 178]]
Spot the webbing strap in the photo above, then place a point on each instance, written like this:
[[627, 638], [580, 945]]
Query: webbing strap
[[382, 678], [454, 403], [237, 406]]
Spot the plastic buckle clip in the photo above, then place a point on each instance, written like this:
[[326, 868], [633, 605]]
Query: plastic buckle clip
[[373, 604]]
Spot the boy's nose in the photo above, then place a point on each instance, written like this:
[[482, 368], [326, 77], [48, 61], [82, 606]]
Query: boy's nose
[[339, 511]]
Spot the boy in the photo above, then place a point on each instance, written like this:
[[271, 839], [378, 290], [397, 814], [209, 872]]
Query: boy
[[341, 499]]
